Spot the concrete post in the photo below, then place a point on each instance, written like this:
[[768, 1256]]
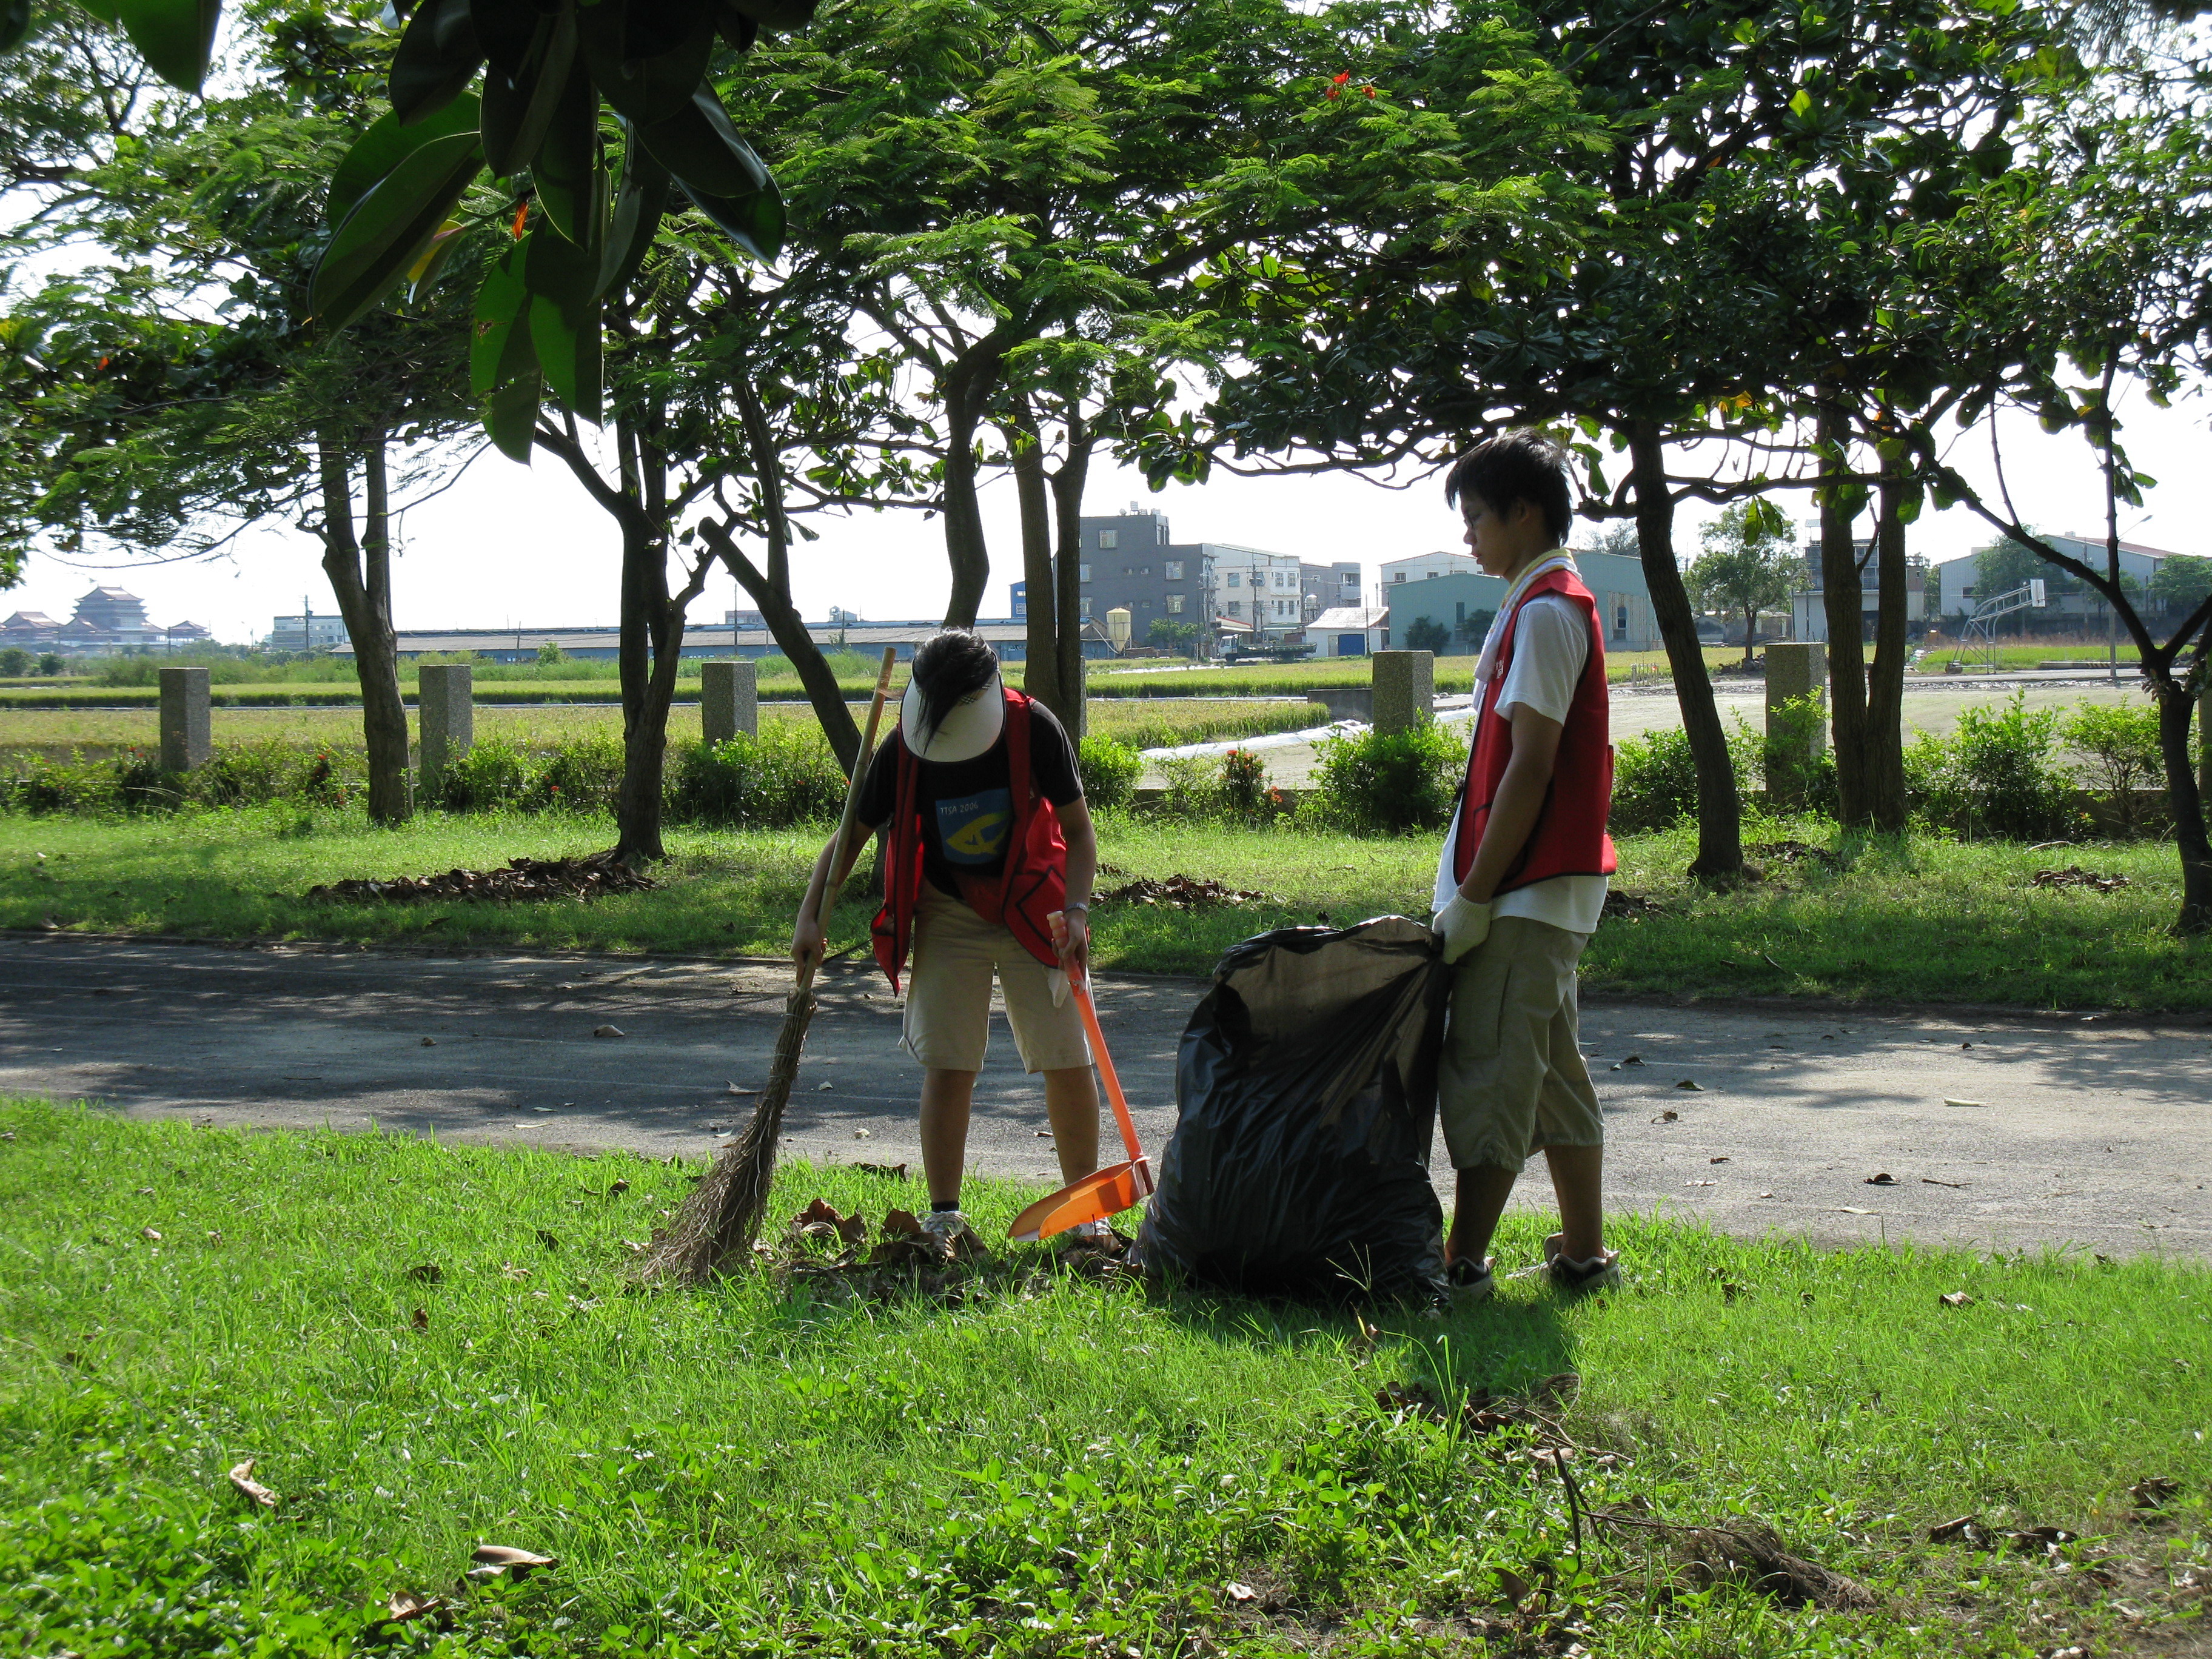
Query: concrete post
[[729, 700], [1404, 690], [447, 709], [1797, 669], [187, 738]]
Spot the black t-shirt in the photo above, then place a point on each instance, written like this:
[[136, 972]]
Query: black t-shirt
[[968, 807]]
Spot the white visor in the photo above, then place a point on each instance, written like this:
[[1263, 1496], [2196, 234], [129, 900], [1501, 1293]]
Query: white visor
[[969, 728]]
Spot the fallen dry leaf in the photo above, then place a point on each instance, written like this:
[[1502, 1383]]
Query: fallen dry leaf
[[1976, 1104], [1692, 1084], [522, 879], [617, 1188], [606, 1030], [428, 1043], [404, 1606], [149, 1233], [1364, 1335], [512, 1272], [2074, 876], [1670, 1116], [1966, 1529], [2150, 1493], [733, 1089], [1178, 892], [420, 1319], [1930, 1181], [1956, 1299], [1719, 1160], [1632, 1059], [242, 1478], [2035, 1540], [1241, 1592], [550, 1241], [858, 1134], [892, 1171], [1512, 1587], [1883, 1178], [1852, 1209], [429, 1274], [820, 1086]]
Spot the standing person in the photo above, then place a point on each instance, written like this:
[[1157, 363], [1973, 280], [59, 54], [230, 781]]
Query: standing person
[[987, 841], [1521, 886]]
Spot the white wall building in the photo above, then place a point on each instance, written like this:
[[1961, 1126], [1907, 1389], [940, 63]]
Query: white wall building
[[1262, 591], [1426, 565], [1959, 577], [1350, 631]]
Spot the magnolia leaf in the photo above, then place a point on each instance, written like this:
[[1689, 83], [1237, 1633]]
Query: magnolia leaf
[[511, 415], [500, 351], [14, 24], [175, 36], [754, 222], [571, 184], [437, 57], [404, 1606], [648, 61], [383, 146], [642, 198], [500, 1557], [700, 147], [564, 322], [519, 106], [425, 271], [389, 227]]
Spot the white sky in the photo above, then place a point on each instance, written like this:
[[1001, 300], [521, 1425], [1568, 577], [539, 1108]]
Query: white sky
[[510, 547]]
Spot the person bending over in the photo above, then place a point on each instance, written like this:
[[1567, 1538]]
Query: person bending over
[[986, 838], [1521, 886]]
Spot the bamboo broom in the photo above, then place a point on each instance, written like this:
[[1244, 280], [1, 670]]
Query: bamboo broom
[[714, 1231]]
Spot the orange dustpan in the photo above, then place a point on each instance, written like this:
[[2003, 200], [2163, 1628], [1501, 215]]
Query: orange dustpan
[[1103, 1192]]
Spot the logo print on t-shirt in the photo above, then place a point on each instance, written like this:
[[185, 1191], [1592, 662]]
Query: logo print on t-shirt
[[974, 827]]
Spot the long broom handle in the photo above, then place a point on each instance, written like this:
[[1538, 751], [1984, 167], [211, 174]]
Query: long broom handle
[[842, 855], [1082, 990]]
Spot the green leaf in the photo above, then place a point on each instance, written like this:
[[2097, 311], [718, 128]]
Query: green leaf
[[511, 415], [175, 36], [642, 198], [388, 229], [499, 351], [700, 147], [109, 12], [570, 182], [565, 319], [381, 149], [14, 24], [519, 107], [648, 61], [755, 222], [436, 60], [423, 274], [1801, 104]]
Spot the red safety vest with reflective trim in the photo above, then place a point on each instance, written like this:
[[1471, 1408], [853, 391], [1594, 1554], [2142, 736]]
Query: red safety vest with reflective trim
[[1022, 896], [1569, 838]]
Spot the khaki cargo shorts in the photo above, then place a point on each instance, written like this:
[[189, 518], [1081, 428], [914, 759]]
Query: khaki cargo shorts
[[948, 994], [1511, 1078]]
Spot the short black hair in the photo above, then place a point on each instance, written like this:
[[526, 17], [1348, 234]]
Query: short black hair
[[1515, 466], [948, 667]]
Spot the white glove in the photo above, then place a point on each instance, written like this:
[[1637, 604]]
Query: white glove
[[1460, 926]]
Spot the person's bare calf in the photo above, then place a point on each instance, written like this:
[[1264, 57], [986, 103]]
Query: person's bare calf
[[1577, 1183], [1071, 1103]]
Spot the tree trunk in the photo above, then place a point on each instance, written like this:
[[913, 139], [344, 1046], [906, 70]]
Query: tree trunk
[[965, 548], [1884, 777], [364, 597], [770, 588], [1720, 811], [650, 638], [1750, 634], [1839, 595], [2174, 707], [1041, 667], [1067, 565]]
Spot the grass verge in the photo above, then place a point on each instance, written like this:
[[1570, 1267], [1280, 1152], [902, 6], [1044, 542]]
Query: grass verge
[[1047, 1467], [1920, 921]]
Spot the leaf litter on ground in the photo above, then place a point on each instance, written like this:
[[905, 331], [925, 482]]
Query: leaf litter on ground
[[1180, 892], [594, 877], [824, 1249]]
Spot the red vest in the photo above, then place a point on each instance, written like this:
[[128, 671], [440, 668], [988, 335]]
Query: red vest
[[1023, 896], [1569, 838]]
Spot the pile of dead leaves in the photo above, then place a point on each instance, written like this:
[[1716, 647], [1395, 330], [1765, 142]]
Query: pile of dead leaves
[[2074, 876], [523, 879], [1180, 892], [1619, 904], [833, 1252]]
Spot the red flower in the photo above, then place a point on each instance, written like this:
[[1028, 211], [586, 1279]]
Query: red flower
[[521, 215], [1337, 84], [1370, 91]]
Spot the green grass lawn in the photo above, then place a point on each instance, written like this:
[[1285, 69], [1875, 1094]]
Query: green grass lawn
[[1146, 723], [1925, 920], [423, 1348]]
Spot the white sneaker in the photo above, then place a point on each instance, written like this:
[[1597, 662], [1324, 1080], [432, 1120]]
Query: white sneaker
[[947, 1224], [1097, 1231]]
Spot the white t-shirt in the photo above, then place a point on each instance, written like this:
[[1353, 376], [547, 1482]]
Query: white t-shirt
[[1549, 651]]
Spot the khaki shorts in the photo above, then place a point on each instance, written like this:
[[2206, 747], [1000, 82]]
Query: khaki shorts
[[1511, 1078], [948, 994]]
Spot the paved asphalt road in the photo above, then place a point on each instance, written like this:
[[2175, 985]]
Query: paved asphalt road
[[2084, 1131]]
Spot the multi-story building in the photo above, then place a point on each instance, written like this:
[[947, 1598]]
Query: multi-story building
[[1129, 562], [1329, 587], [1958, 580], [308, 631], [1463, 603], [1809, 609], [1422, 566]]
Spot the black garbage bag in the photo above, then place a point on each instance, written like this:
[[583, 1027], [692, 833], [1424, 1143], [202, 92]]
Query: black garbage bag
[[1306, 1086]]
